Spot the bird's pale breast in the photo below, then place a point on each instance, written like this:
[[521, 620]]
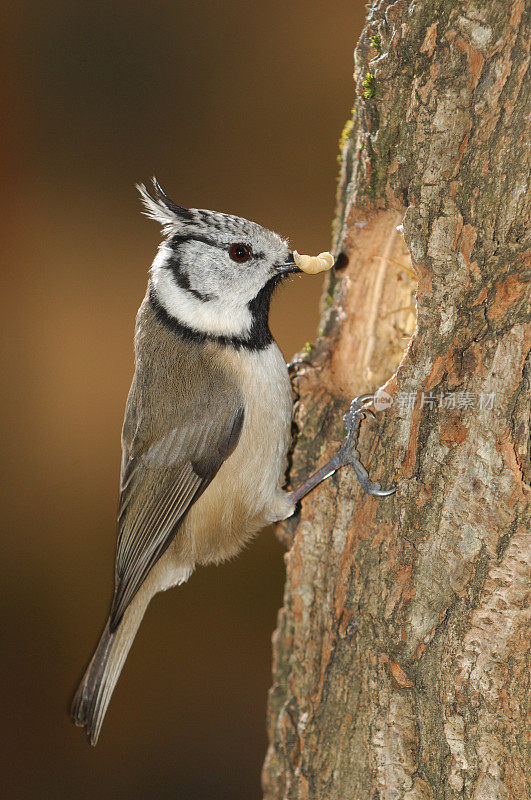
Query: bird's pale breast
[[246, 494]]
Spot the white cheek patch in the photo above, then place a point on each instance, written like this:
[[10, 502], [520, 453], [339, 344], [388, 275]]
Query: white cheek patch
[[217, 317]]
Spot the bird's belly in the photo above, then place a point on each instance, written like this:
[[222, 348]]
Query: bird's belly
[[245, 494]]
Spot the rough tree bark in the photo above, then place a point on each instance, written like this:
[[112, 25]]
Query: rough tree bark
[[400, 654]]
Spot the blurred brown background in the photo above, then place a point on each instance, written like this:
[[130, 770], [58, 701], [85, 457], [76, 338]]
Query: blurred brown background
[[234, 106]]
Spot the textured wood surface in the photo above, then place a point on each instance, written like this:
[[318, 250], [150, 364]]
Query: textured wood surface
[[400, 655]]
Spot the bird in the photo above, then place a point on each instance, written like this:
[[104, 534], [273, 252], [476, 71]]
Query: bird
[[207, 424]]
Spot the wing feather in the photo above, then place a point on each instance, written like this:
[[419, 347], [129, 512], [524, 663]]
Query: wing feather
[[160, 483]]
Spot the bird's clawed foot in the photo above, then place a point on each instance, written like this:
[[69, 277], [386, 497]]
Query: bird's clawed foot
[[348, 453]]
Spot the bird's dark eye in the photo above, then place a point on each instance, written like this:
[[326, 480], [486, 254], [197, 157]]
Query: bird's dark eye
[[240, 252]]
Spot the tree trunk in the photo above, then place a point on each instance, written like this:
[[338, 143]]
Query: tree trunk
[[399, 658]]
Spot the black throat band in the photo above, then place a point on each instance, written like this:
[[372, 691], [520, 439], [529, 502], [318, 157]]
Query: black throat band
[[258, 338]]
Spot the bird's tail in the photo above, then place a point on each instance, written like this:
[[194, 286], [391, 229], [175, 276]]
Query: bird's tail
[[95, 690]]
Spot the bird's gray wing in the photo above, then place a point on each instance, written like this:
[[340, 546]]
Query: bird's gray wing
[[161, 480]]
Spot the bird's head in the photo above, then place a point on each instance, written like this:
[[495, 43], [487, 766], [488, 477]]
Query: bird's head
[[214, 273]]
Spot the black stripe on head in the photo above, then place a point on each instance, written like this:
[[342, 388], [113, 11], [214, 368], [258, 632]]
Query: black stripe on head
[[177, 239], [180, 276]]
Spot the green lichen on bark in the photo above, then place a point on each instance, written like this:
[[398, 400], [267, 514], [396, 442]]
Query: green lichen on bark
[[369, 86]]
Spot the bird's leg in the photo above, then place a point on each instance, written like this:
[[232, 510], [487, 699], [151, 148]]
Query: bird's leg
[[347, 454]]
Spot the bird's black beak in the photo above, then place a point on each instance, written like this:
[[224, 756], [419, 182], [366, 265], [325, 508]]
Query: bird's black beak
[[289, 266]]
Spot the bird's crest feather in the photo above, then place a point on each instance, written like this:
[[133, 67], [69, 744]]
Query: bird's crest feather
[[163, 210]]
